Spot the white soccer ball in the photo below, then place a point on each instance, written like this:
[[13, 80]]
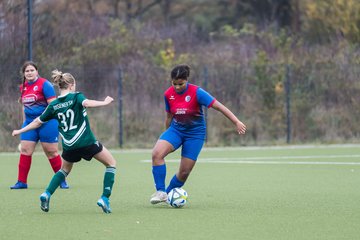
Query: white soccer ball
[[177, 197]]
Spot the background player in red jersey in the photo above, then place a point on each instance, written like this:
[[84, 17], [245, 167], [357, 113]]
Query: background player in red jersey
[[78, 141], [36, 94], [185, 126]]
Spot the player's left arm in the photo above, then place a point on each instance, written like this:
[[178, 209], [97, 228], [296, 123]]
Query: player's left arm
[[240, 126], [33, 125], [95, 103], [49, 92], [209, 101]]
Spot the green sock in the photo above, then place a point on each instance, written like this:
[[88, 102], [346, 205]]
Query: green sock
[[55, 181], [108, 181]]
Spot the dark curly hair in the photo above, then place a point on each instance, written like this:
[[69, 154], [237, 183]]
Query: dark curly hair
[[180, 72]]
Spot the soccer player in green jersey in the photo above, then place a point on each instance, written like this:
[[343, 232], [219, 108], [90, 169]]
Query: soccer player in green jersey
[[78, 141]]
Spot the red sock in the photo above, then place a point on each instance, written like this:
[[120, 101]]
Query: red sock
[[24, 167], [55, 163]]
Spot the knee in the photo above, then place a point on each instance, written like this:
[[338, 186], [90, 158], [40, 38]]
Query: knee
[[51, 153], [157, 157], [26, 150]]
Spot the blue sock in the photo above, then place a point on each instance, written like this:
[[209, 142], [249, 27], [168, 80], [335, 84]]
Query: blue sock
[[174, 183], [159, 174]]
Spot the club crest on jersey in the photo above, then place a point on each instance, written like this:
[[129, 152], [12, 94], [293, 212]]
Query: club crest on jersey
[[187, 98], [36, 88]]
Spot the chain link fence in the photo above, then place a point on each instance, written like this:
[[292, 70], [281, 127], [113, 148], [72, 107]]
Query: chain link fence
[[279, 103]]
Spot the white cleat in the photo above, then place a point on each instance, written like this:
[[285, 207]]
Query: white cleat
[[158, 197]]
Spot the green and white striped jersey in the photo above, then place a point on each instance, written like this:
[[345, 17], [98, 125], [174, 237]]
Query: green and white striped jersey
[[74, 126]]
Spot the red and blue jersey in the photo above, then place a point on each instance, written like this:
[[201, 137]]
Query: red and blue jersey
[[34, 97], [186, 108]]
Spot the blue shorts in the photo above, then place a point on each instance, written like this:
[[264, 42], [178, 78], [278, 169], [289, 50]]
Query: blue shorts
[[191, 145], [48, 132]]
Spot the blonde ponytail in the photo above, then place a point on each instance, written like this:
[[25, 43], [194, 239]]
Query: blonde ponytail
[[62, 80]]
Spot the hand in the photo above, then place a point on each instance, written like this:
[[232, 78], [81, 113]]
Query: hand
[[108, 100], [241, 128], [15, 133]]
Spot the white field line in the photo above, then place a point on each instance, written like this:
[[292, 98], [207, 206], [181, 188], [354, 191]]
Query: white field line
[[273, 160], [282, 147], [251, 148], [217, 149]]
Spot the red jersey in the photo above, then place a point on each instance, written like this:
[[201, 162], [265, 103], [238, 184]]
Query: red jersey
[[186, 107], [35, 95]]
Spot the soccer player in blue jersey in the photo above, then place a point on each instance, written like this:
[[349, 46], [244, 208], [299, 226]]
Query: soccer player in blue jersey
[[78, 141], [185, 126], [36, 94]]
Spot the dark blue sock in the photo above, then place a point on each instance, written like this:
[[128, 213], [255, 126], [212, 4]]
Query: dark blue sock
[[174, 183], [159, 174]]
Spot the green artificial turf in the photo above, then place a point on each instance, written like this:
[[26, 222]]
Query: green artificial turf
[[306, 192]]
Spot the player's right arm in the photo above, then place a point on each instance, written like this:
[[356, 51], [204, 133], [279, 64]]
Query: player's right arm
[[33, 125], [36, 123], [168, 119], [23, 113], [169, 115]]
